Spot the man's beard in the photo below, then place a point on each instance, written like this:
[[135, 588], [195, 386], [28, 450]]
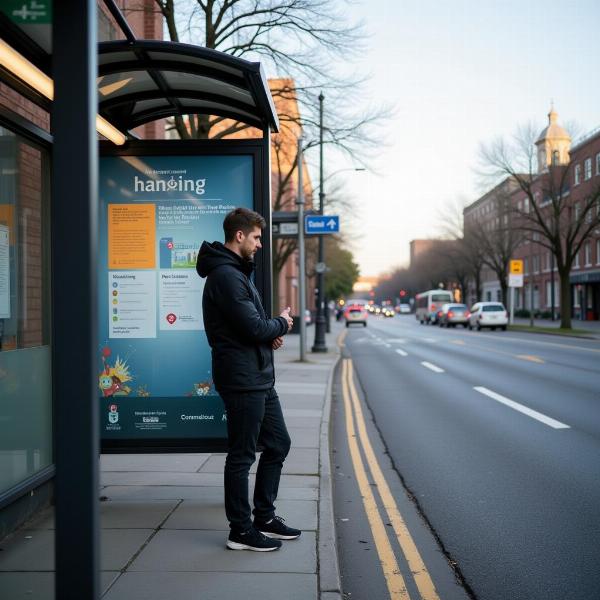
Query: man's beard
[[247, 255]]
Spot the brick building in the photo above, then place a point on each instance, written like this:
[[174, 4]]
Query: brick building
[[541, 291]]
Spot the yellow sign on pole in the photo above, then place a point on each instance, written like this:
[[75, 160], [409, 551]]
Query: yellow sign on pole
[[516, 267]]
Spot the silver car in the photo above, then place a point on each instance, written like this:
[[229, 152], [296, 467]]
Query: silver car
[[452, 315]]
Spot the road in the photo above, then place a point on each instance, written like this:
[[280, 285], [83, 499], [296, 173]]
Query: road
[[495, 437]]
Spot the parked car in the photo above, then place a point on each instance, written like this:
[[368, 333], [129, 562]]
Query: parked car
[[403, 309], [356, 313], [452, 315], [488, 314]]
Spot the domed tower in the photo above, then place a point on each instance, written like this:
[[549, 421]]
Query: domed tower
[[553, 144]]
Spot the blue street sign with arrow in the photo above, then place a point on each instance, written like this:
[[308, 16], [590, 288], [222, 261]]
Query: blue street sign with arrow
[[322, 224]]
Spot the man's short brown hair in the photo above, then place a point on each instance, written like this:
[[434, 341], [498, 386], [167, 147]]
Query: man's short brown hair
[[241, 219]]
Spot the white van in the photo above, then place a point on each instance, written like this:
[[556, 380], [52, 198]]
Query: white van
[[429, 303]]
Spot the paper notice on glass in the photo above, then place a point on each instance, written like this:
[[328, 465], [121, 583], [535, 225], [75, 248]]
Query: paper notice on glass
[[4, 272], [132, 304], [180, 298]]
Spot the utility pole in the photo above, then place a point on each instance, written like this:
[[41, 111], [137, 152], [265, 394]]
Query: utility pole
[[321, 321], [301, 256]]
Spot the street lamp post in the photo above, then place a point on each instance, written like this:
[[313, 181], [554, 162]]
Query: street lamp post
[[301, 256], [320, 323]]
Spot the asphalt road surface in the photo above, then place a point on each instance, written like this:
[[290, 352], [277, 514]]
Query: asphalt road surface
[[495, 437]]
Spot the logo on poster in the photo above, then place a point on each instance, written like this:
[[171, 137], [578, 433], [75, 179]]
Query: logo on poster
[[171, 318], [113, 415]]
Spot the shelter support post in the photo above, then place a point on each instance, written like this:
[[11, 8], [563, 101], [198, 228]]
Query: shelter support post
[[74, 232]]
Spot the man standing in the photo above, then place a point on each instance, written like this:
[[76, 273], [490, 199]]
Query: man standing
[[242, 340]]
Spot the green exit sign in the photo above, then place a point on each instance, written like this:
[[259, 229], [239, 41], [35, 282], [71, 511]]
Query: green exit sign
[[28, 12]]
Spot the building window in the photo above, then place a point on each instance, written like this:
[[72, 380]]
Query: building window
[[576, 212], [577, 174], [26, 387], [587, 168], [587, 253], [536, 263], [526, 266], [555, 157], [598, 251], [576, 261], [598, 164]]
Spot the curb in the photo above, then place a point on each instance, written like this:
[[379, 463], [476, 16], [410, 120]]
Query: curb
[[330, 587]]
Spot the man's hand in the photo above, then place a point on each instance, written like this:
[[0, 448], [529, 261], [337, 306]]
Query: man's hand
[[286, 315], [277, 343]]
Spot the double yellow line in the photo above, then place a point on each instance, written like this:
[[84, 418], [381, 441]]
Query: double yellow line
[[391, 570]]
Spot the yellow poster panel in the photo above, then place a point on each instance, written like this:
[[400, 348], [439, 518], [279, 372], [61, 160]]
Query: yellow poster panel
[[131, 236]]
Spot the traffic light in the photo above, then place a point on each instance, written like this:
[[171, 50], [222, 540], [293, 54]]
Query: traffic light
[[402, 293]]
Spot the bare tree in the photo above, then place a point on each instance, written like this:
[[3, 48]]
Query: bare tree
[[497, 237], [548, 215], [465, 257], [299, 40]]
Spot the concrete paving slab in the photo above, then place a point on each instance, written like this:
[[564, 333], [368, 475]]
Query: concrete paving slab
[[28, 551], [163, 492], [204, 551], [304, 437], [192, 514], [135, 515], [210, 493], [300, 389], [161, 478], [304, 412], [299, 461], [120, 515], [292, 493], [185, 463], [40, 585], [118, 546], [192, 586], [312, 422]]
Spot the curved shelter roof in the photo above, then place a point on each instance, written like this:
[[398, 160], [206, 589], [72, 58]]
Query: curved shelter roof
[[144, 80]]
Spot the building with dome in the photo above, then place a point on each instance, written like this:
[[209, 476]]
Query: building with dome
[[553, 144], [541, 291]]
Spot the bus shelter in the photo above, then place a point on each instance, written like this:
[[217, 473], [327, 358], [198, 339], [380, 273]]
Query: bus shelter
[[130, 362]]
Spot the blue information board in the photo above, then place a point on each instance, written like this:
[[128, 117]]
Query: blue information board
[[154, 361], [321, 224]]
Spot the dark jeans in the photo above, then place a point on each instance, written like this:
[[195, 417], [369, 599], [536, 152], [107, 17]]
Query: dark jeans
[[253, 418]]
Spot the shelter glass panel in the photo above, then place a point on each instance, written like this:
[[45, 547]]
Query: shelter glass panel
[[187, 81], [25, 357]]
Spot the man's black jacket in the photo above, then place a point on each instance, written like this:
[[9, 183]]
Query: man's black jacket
[[237, 328]]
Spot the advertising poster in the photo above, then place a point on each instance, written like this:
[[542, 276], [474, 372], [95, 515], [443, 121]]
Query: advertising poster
[[154, 362]]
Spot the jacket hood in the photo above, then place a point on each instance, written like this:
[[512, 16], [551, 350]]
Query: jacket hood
[[216, 255]]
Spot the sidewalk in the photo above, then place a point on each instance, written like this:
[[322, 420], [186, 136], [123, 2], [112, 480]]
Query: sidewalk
[[593, 327], [163, 522]]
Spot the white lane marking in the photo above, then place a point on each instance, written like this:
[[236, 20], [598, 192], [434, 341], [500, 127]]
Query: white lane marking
[[401, 352], [387, 345], [430, 340], [522, 409], [433, 368], [397, 340]]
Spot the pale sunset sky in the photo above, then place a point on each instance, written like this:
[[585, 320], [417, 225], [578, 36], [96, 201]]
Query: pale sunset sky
[[459, 73]]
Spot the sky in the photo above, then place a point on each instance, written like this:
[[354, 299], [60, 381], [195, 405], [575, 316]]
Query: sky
[[458, 73]]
